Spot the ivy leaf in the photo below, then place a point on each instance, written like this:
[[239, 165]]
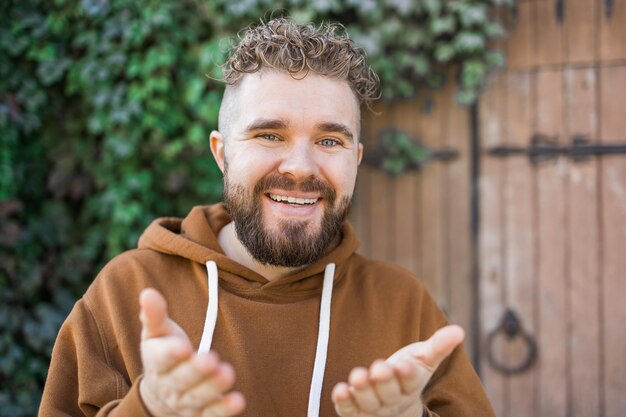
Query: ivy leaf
[[419, 154], [119, 146], [473, 73], [495, 59], [433, 7], [194, 91], [421, 65], [302, 16], [442, 25], [472, 15], [197, 135], [391, 29], [403, 7], [494, 30], [469, 41], [415, 37], [466, 97], [435, 80], [444, 52], [394, 166]]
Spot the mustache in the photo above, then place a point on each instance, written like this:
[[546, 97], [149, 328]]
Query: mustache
[[309, 185]]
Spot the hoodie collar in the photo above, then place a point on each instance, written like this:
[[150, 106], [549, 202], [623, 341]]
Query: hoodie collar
[[195, 238]]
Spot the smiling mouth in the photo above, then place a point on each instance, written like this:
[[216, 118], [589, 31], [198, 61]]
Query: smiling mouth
[[293, 200]]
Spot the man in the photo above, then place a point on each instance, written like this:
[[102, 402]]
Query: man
[[300, 313]]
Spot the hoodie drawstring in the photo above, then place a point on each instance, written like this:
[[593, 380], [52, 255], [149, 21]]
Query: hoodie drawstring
[[322, 343], [211, 311], [321, 351]]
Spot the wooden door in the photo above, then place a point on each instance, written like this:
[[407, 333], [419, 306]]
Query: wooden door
[[553, 233]]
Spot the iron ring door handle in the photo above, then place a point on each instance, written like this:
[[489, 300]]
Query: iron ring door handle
[[511, 328]]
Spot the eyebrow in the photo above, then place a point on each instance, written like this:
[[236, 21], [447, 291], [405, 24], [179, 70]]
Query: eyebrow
[[261, 124], [278, 124], [336, 128]]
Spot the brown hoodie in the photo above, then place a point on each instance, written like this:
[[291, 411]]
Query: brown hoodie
[[267, 330]]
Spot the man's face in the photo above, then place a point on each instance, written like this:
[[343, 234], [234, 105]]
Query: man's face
[[290, 162]]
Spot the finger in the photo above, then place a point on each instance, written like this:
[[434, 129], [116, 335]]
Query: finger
[[408, 377], [210, 389], [188, 373], [163, 354], [231, 404], [432, 352], [362, 390], [386, 383], [153, 314], [344, 403]]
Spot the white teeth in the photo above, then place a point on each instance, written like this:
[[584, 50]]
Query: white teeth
[[293, 200]]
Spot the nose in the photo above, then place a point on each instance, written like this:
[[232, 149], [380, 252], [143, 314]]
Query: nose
[[298, 161]]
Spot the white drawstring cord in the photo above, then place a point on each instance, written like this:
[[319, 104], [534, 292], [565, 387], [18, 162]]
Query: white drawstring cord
[[211, 311], [322, 343]]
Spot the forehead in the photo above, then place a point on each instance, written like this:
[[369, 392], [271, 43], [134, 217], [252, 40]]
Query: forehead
[[310, 100]]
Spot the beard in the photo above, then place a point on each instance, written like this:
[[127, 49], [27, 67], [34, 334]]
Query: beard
[[293, 245]]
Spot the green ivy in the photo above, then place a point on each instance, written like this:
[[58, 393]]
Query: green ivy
[[401, 153], [105, 111]]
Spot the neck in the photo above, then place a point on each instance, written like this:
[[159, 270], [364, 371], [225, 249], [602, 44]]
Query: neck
[[235, 250]]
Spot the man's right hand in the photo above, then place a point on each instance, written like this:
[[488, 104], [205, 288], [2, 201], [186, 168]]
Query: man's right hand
[[177, 381]]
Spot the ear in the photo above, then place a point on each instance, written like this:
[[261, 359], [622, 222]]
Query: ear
[[217, 148], [360, 153]]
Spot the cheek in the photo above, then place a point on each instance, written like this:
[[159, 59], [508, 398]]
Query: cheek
[[342, 175], [248, 165]]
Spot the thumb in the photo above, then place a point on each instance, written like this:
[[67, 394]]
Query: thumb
[[153, 314], [440, 345]]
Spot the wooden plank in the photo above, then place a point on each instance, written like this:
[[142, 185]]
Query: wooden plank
[[380, 205], [580, 24], [613, 129], [584, 289], [519, 45], [547, 33], [551, 275], [406, 192], [359, 211], [491, 238], [458, 220], [432, 241], [520, 203], [405, 221], [613, 30]]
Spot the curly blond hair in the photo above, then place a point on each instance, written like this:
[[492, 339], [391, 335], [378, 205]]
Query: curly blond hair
[[284, 45]]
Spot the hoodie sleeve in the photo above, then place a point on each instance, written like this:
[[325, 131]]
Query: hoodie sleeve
[[454, 389], [82, 380]]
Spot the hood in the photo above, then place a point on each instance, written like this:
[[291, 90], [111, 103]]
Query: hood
[[195, 238]]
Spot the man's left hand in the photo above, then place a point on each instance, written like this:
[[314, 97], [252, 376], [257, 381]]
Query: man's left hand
[[393, 387]]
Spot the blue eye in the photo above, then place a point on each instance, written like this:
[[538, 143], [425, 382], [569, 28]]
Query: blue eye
[[329, 142], [270, 137]]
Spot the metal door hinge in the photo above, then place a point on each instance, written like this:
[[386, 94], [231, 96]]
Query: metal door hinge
[[546, 148], [608, 9], [560, 10]]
